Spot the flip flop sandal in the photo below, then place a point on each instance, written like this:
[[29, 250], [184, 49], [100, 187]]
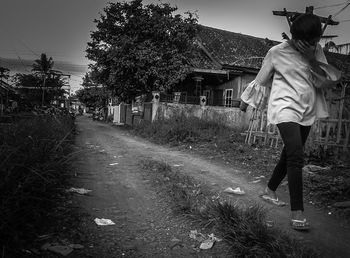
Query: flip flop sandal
[[301, 225], [271, 200]]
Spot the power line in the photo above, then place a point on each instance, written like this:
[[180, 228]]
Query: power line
[[21, 41], [327, 6], [342, 9]]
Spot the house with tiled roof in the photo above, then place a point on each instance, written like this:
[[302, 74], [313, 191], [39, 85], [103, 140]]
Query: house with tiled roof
[[228, 61]]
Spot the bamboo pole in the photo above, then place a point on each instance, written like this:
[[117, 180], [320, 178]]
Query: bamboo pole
[[341, 107]]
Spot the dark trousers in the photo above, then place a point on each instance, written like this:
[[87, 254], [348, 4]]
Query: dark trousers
[[291, 162]]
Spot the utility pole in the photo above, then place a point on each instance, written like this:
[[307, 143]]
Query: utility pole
[[309, 9]]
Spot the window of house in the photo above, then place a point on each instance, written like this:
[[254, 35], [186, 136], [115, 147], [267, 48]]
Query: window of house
[[228, 97]]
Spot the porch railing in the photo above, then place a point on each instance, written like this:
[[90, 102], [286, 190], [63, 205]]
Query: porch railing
[[195, 100]]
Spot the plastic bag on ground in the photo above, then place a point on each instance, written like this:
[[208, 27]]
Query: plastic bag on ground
[[237, 190], [104, 222]]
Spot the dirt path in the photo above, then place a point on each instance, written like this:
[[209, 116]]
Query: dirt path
[[145, 225]]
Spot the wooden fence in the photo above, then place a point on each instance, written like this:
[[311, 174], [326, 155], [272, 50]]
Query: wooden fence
[[330, 133]]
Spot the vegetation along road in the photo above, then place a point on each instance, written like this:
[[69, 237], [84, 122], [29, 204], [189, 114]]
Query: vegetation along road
[[157, 196]]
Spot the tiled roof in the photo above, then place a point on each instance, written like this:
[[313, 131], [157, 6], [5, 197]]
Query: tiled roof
[[342, 62], [231, 49], [234, 49]]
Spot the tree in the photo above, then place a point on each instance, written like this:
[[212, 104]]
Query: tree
[[137, 49], [43, 76], [4, 73], [92, 94], [43, 67]]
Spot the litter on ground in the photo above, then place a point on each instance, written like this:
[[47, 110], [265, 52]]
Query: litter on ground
[[207, 242], [79, 190], [237, 190], [314, 168], [56, 248], [255, 181], [113, 164], [103, 222]]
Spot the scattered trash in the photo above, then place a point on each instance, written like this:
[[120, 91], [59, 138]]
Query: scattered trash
[[46, 236], [255, 181], [115, 157], [79, 190], [259, 177], [76, 246], [177, 165], [194, 234], [103, 222], [269, 223], [175, 242], [313, 168], [211, 236], [207, 244], [345, 204], [329, 213], [234, 191], [56, 248], [284, 183], [113, 164]]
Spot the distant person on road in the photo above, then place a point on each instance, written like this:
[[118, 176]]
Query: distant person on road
[[299, 72]]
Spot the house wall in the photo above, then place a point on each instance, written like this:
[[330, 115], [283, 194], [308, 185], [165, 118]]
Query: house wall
[[231, 117], [246, 79], [233, 84], [237, 84]]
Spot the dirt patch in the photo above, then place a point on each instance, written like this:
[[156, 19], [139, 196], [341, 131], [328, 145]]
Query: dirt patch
[[145, 224]]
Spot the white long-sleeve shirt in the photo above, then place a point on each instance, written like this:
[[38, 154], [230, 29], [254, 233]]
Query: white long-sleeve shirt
[[294, 96]]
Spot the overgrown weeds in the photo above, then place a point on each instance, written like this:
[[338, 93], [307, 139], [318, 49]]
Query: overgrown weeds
[[182, 129], [244, 229], [34, 162]]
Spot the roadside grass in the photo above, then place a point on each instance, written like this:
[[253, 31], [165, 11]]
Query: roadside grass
[[34, 169], [180, 129], [215, 141], [244, 229]]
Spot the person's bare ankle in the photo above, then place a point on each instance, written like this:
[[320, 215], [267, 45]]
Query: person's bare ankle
[[298, 215]]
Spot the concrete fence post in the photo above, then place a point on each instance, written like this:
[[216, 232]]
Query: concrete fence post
[[177, 96], [155, 104]]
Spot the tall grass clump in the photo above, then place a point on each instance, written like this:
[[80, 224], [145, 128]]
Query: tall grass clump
[[244, 229], [180, 128], [34, 160]]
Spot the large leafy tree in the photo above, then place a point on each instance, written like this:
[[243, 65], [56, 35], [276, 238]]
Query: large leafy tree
[[139, 48], [92, 94]]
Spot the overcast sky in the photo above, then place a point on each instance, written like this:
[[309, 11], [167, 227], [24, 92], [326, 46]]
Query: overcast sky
[[61, 28]]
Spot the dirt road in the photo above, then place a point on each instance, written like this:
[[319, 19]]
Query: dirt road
[[145, 225]]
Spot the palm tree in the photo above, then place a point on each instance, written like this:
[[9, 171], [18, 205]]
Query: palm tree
[[43, 67]]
